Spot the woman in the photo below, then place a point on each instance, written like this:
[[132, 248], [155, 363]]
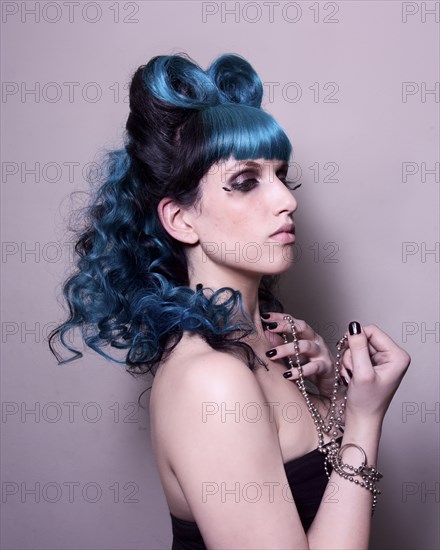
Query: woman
[[177, 265]]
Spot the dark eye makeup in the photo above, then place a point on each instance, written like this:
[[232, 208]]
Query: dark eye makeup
[[246, 181]]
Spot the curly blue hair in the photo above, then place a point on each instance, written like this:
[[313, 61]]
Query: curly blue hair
[[130, 285]]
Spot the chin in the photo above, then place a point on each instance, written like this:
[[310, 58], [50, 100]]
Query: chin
[[285, 266], [275, 267], [281, 262]]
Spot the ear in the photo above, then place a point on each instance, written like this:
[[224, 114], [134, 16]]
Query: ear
[[177, 221]]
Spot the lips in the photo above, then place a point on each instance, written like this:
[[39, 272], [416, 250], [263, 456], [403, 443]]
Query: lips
[[286, 228], [285, 234]]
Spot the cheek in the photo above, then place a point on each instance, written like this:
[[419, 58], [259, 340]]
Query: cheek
[[226, 221]]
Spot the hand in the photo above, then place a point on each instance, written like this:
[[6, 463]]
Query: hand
[[377, 365], [318, 362]]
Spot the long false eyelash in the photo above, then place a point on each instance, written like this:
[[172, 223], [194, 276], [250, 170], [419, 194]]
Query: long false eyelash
[[288, 184], [243, 186]]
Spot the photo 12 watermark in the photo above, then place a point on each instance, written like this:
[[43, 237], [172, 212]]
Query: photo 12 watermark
[[293, 92], [416, 491], [253, 252], [36, 172], [421, 331], [270, 12], [29, 332], [420, 12], [253, 492], [317, 172], [69, 412], [36, 252], [53, 492], [420, 172], [66, 92], [29, 12], [423, 92], [251, 412], [422, 252], [423, 412]]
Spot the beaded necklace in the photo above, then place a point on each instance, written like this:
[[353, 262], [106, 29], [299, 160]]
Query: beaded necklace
[[335, 420], [368, 474]]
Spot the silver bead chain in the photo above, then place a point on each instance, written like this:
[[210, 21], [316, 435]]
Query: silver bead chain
[[332, 451], [335, 419]]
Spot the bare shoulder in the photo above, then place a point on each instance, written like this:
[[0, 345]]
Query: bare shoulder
[[199, 397], [200, 393], [194, 368], [206, 437]]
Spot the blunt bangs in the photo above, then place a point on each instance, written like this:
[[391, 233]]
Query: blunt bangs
[[244, 132]]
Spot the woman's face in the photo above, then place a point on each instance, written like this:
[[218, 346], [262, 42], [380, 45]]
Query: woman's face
[[244, 218]]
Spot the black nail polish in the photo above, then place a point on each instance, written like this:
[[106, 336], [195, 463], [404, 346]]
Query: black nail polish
[[350, 374], [272, 325], [354, 328], [265, 315], [271, 353], [199, 287], [288, 374]]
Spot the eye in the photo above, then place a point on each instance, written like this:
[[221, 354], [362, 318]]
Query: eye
[[244, 185]]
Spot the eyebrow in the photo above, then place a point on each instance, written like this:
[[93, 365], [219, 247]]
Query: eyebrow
[[254, 164], [245, 165]]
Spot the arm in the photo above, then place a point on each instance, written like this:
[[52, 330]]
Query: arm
[[377, 366], [214, 453], [228, 465]]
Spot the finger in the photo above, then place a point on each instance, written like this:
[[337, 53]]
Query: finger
[[346, 356], [371, 349], [386, 351], [345, 374], [379, 340], [380, 358], [347, 362], [302, 328], [309, 369], [360, 356], [305, 348]]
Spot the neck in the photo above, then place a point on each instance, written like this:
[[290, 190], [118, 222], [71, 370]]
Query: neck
[[215, 277]]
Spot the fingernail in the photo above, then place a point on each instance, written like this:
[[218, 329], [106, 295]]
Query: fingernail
[[271, 353], [272, 325], [199, 287], [265, 315], [287, 374], [354, 328], [344, 381], [350, 374]]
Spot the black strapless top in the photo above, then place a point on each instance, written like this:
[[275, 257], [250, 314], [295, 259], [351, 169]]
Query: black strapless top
[[307, 480]]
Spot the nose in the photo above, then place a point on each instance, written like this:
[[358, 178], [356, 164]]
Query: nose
[[284, 200]]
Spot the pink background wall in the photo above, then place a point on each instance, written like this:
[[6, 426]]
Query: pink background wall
[[356, 85]]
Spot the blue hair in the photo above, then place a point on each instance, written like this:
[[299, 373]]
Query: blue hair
[[130, 287], [243, 132]]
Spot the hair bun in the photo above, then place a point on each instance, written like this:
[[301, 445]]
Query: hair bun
[[237, 80], [179, 81]]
